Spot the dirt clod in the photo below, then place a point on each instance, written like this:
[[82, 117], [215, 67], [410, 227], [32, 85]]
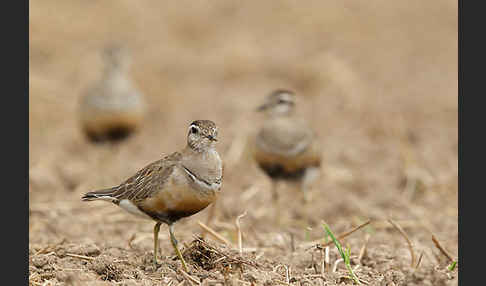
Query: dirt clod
[[106, 268], [40, 261]]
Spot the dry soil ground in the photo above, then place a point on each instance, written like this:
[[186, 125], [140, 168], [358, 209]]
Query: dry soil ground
[[376, 79]]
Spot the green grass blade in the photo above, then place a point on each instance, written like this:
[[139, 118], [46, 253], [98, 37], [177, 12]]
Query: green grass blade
[[336, 242], [344, 255]]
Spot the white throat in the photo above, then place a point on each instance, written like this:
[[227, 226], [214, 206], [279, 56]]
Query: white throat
[[280, 110]]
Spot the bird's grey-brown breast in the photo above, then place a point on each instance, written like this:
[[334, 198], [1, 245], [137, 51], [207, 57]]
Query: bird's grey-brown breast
[[204, 171], [117, 97], [284, 136]]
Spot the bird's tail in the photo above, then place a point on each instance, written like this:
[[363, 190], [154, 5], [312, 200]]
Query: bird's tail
[[105, 194]]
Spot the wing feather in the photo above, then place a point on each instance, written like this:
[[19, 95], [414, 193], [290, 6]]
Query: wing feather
[[146, 182]]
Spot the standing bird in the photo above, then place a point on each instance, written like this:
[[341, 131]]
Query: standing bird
[[179, 185], [285, 147], [112, 108]]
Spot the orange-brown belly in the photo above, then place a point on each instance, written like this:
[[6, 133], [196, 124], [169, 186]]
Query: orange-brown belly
[[99, 123], [176, 202], [288, 163]]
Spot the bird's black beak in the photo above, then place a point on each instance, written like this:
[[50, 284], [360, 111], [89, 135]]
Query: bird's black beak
[[211, 138]]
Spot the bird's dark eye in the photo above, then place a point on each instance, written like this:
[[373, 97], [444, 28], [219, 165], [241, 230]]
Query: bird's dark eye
[[281, 101], [194, 130]]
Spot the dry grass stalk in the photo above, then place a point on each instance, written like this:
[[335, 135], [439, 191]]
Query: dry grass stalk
[[326, 258], [49, 247], [419, 260], [442, 249], [364, 281], [403, 223], [323, 262], [363, 249], [287, 275], [336, 264], [339, 237], [213, 233], [409, 242], [42, 251], [80, 256], [238, 229], [191, 280]]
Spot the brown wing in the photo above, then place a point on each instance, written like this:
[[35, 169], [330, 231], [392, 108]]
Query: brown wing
[[148, 180]]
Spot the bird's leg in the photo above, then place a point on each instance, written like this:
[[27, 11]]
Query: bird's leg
[[156, 242], [275, 198], [274, 191], [310, 175], [173, 240], [305, 194]]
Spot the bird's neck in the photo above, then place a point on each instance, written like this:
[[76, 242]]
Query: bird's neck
[[206, 163], [116, 79], [115, 71], [278, 113]]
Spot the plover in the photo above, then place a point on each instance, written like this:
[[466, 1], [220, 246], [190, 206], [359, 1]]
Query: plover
[[177, 186], [285, 147], [112, 108]]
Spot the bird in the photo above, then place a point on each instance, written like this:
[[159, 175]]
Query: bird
[[178, 185], [113, 107], [285, 147]]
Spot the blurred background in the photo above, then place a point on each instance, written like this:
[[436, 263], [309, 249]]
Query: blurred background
[[377, 80]]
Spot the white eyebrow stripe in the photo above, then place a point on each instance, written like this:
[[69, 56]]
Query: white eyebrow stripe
[[194, 126]]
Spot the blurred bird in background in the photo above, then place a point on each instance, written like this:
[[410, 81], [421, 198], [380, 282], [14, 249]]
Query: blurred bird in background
[[285, 148], [113, 108]]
